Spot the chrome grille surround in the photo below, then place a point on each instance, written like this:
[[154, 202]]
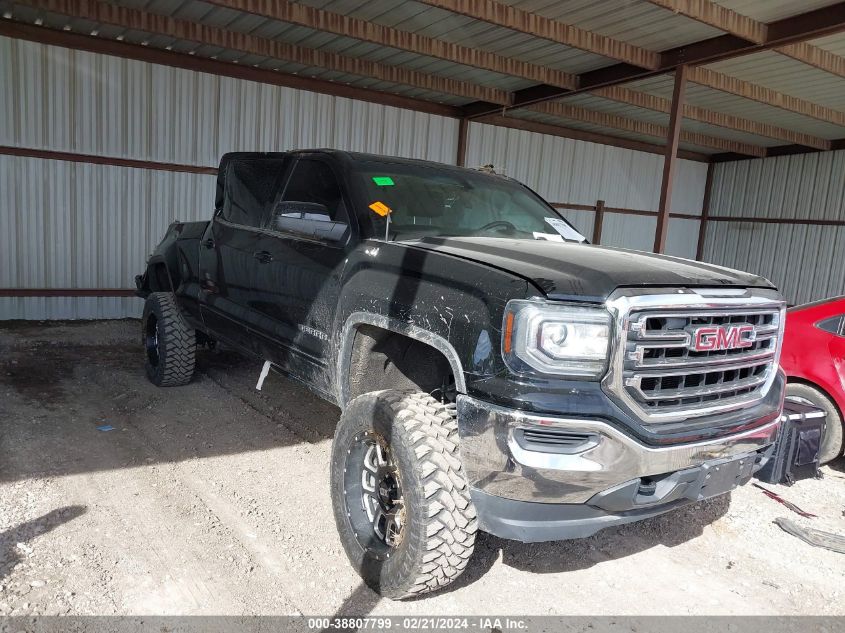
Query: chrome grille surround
[[657, 378]]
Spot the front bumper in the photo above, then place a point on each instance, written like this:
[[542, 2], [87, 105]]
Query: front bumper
[[599, 476]]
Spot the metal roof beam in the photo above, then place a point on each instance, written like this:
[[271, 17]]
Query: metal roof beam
[[815, 56], [587, 136], [711, 117], [797, 28], [779, 150], [718, 17], [127, 18], [356, 28], [749, 29], [756, 92], [516, 19], [645, 128], [670, 160]]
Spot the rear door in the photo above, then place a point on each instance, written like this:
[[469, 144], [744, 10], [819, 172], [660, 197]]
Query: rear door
[[304, 247], [229, 251]]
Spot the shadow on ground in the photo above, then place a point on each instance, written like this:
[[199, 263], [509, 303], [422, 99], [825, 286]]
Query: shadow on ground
[[71, 403], [13, 542], [668, 530]]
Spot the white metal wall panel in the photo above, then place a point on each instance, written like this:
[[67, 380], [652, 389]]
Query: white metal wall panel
[[628, 231], [567, 170], [682, 239], [637, 233], [77, 225], [806, 186], [802, 260], [688, 188], [64, 100]]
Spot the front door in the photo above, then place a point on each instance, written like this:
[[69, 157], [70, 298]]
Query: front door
[[304, 247]]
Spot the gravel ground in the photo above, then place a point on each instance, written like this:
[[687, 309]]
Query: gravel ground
[[213, 499]]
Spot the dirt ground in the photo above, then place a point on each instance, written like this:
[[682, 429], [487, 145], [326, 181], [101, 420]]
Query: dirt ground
[[214, 499]]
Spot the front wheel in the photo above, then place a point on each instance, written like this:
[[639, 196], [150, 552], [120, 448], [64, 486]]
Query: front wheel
[[400, 497]]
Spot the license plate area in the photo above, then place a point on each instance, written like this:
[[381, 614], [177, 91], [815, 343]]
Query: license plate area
[[723, 476]]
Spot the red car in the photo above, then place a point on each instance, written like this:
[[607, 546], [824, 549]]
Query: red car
[[813, 358]]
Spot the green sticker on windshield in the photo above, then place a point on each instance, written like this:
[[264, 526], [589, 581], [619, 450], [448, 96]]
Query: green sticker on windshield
[[383, 181]]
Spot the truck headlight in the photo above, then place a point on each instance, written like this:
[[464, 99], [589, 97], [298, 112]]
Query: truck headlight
[[553, 338]]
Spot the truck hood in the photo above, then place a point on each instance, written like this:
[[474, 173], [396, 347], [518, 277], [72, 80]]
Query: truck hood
[[565, 270]]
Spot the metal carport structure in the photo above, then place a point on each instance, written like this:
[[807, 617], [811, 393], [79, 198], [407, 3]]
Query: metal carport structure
[[740, 104]]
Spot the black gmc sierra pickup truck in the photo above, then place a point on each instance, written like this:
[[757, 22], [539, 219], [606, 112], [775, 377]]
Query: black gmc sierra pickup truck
[[494, 370]]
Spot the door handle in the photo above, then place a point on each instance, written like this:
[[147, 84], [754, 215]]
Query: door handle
[[263, 256], [209, 286], [209, 243]]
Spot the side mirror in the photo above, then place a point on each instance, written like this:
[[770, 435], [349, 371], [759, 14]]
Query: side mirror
[[310, 219]]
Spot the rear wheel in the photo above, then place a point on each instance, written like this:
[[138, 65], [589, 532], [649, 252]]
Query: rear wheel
[[170, 344], [831, 446], [401, 499]]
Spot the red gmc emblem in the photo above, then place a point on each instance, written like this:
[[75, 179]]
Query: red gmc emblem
[[711, 338]]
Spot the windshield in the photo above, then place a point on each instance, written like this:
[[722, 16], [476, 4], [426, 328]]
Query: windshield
[[428, 201]]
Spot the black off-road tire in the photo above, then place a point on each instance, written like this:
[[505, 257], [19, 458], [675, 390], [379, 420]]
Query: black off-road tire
[[172, 361], [438, 534], [831, 446]]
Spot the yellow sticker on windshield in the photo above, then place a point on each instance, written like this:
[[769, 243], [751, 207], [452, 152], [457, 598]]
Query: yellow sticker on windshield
[[380, 208]]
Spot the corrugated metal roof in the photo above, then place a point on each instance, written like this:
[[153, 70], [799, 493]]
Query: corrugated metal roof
[[832, 43], [541, 117], [294, 35], [771, 10], [787, 75], [433, 22], [601, 104], [738, 106], [549, 119], [408, 16], [638, 22]]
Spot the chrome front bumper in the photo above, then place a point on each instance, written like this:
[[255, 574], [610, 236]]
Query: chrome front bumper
[[498, 464]]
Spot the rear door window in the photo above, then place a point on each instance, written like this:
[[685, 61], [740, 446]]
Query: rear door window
[[252, 188], [312, 205], [314, 181]]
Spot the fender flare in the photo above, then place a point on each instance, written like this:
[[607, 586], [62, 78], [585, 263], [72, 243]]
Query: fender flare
[[156, 260], [357, 319]]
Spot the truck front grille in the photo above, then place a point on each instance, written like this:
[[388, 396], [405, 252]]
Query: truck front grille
[[660, 375]]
